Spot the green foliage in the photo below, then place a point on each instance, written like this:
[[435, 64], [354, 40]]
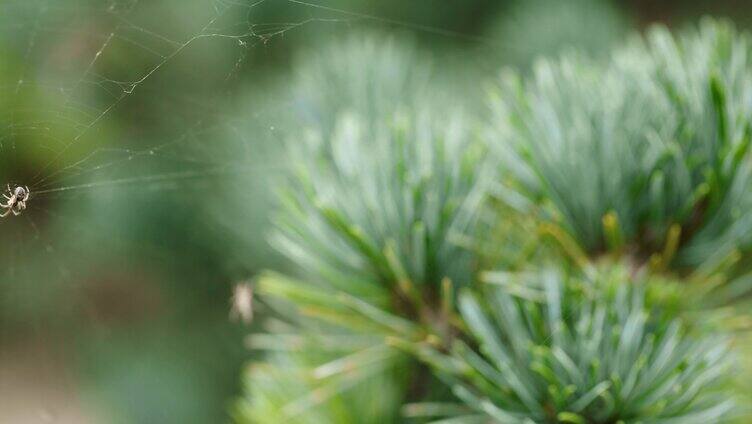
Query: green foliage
[[369, 74], [554, 348], [383, 206], [370, 225], [387, 216], [382, 184], [380, 194], [324, 358], [651, 147], [296, 388]]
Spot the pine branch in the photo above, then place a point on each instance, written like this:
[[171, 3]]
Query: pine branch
[[586, 352], [643, 157], [646, 154]]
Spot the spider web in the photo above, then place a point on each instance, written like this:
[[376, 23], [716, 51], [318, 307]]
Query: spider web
[[123, 117]]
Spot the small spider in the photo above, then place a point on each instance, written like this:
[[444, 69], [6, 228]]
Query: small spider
[[242, 303], [17, 199]]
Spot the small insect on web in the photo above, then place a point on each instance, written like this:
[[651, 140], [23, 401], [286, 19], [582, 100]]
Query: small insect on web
[[16, 200]]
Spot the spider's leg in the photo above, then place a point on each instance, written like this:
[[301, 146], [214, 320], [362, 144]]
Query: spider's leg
[[15, 212], [7, 212], [5, 206]]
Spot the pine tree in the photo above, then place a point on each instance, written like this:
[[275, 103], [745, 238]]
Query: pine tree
[[572, 256]]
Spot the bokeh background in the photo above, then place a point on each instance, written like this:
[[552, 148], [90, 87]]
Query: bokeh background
[[151, 134]]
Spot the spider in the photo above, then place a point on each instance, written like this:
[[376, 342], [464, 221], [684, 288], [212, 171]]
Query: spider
[[242, 303], [17, 199]]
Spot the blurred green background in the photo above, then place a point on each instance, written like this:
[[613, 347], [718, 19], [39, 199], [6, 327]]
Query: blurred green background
[[151, 134]]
